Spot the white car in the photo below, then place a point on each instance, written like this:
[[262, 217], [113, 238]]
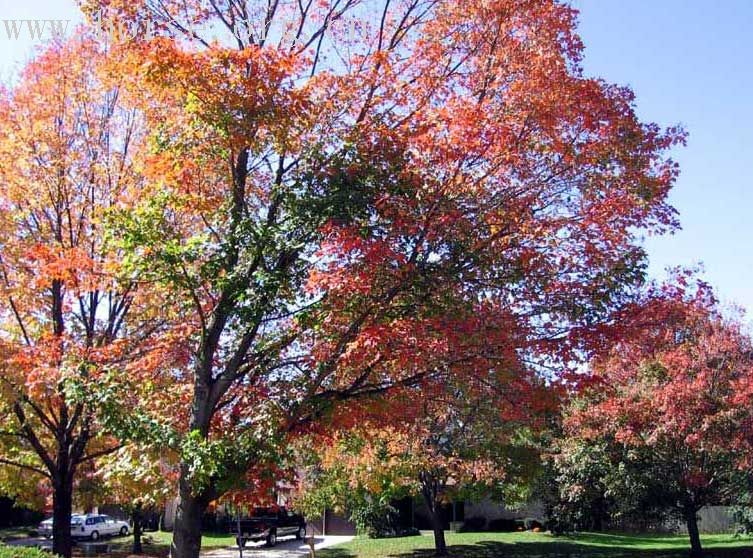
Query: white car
[[45, 528], [94, 527]]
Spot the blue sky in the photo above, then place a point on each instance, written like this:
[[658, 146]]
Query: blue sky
[[689, 62]]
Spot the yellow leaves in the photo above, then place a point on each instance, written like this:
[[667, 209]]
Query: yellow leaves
[[133, 475], [27, 489]]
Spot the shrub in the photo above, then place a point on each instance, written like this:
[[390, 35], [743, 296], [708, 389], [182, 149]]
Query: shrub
[[474, 524], [375, 519], [743, 515], [557, 527], [505, 525], [22, 552]]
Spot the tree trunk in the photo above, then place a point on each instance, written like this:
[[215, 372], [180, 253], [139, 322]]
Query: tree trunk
[[435, 516], [191, 507], [62, 506], [137, 518], [598, 515], [187, 528], [440, 546], [691, 518]]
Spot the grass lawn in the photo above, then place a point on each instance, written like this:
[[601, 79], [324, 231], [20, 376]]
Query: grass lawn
[[208, 540], [542, 545], [156, 544]]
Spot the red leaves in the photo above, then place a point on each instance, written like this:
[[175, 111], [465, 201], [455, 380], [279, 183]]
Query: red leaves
[[672, 383]]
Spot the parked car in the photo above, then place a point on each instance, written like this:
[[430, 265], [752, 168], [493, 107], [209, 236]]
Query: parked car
[[92, 526], [266, 524], [45, 528]]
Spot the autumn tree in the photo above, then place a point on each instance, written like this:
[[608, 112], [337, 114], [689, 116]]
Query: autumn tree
[[665, 400], [598, 485], [456, 436], [67, 148], [139, 481], [328, 178]]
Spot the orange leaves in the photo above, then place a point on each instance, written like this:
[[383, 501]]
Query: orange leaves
[[329, 205], [246, 96], [71, 266], [66, 166], [72, 318], [36, 371]]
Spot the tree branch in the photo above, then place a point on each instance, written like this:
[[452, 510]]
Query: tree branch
[[36, 470]]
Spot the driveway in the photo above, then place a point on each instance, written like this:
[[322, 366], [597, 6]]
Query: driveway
[[283, 549]]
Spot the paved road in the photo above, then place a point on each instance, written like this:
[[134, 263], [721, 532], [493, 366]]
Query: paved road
[[283, 549]]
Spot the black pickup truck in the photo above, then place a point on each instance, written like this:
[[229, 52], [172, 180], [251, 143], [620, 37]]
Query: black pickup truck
[[266, 524]]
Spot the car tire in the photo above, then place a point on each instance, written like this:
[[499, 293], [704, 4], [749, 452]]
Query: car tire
[[301, 533], [95, 535], [272, 538], [123, 531]]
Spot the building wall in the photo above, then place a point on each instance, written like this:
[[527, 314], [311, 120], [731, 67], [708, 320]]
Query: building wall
[[336, 524], [491, 510], [168, 520], [711, 519], [449, 513]]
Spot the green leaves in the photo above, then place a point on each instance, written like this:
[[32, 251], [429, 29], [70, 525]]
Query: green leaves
[[153, 246], [205, 461]]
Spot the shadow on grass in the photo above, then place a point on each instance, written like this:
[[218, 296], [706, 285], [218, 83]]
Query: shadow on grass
[[620, 541], [123, 546], [558, 549]]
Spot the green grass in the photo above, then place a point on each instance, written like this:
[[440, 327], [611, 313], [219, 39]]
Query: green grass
[[542, 545], [157, 543], [17, 552], [208, 540]]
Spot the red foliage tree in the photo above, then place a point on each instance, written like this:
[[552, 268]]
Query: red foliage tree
[[402, 164], [468, 425], [670, 389], [67, 317]]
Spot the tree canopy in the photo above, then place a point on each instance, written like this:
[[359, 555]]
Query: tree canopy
[[333, 202], [666, 399]]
